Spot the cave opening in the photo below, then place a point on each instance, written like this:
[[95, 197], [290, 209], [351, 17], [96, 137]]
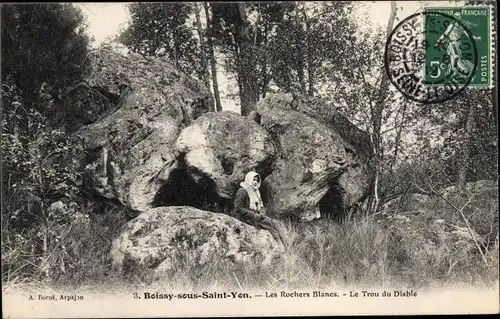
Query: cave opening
[[331, 205], [182, 190]]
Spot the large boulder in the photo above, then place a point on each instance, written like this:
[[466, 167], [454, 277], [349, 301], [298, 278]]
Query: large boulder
[[130, 148], [324, 112], [218, 149], [158, 239], [317, 169]]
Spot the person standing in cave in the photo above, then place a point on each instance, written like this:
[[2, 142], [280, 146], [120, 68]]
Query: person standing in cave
[[249, 208]]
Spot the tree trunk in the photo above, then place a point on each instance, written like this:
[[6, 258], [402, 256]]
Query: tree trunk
[[309, 55], [376, 118], [204, 64], [310, 65], [384, 87], [301, 76], [399, 133], [464, 157], [264, 74], [215, 83], [249, 94], [199, 27], [301, 63]]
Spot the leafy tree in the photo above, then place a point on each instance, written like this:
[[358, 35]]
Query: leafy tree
[[177, 31], [162, 29], [309, 43], [377, 110], [43, 48], [358, 86], [211, 54], [466, 128], [288, 43], [242, 31]]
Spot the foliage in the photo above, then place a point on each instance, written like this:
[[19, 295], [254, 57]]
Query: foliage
[[242, 32], [309, 43], [441, 145], [474, 151], [43, 53], [288, 44], [43, 47], [38, 168], [359, 89], [162, 29], [409, 129]]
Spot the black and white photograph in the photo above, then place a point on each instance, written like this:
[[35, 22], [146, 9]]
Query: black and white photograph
[[186, 159]]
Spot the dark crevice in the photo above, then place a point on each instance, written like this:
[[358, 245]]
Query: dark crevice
[[113, 98], [266, 167], [349, 150], [331, 205], [227, 165], [254, 116], [182, 190]]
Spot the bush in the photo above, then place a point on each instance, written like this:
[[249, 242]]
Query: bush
[[39, 167]]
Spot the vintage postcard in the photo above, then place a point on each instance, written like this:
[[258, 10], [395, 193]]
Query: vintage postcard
[[249, 159]]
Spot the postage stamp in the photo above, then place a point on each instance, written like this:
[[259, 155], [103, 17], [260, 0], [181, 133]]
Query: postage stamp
[[431, 56], [478, 21]]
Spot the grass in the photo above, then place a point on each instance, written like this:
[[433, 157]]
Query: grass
[[363, 252]]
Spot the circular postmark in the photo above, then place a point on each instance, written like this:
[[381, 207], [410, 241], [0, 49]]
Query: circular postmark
[[431, 57]]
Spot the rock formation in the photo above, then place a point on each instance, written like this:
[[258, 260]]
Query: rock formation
[[218, 149], [158, 146], [317, 168], [157, 240], [131, 147]]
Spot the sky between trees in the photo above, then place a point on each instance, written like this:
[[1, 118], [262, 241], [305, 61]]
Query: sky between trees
[[106, 20]]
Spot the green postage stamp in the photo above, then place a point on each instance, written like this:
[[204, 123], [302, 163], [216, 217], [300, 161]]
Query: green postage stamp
[[433, 55], [461, 53]]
